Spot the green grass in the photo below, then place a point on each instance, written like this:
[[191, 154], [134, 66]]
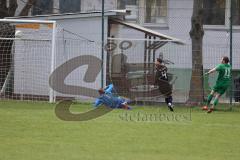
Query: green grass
[[31, 131]]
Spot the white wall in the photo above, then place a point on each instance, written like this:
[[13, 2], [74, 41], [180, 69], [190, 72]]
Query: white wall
[[85, 27], [215, 41], [32, 59]]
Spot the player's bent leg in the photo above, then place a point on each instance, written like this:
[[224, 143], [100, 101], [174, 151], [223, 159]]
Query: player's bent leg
[[215, 102], [210, 96], [209, 99], [168, 100], [125, 106]]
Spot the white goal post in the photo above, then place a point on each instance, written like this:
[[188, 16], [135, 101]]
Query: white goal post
[[26, 47]]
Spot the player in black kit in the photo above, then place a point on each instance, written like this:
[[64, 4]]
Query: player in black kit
[[161, 79]]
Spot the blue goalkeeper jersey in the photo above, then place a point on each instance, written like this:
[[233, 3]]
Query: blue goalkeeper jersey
[[109, 98]]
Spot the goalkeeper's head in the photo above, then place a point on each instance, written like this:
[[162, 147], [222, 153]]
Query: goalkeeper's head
[[101, 91]]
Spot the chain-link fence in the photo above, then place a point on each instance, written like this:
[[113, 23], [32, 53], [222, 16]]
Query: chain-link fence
[[133, 42]]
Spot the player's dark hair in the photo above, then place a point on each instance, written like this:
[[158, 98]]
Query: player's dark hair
[[101, 91], [226, 59], [159, 60]]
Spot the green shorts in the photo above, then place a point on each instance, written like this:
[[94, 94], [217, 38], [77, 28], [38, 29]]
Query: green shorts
[[221, 89]]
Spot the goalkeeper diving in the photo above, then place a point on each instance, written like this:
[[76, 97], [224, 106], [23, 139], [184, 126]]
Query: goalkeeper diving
[[111, 99]]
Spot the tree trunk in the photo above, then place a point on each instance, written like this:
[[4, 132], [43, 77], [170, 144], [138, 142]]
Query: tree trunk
[[12, 7], [27, 7], [3, 9], [196, 93]]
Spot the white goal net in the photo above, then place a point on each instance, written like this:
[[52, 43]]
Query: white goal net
[[42, 60], [26, 50]]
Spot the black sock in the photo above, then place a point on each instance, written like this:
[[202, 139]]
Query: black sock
[[168, 99]]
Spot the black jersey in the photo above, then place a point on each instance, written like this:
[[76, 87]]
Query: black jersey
[[161, 73]]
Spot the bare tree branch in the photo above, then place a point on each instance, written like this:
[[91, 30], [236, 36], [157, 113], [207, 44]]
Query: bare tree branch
[[27, 7], [12, 7]]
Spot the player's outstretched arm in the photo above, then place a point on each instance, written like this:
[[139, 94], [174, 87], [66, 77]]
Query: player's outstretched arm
[[109, 88], [211, 71]]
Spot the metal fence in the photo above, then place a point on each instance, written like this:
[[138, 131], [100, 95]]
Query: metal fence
[[131, 48]]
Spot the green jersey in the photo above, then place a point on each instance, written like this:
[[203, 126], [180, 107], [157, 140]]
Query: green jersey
[[224, 74]]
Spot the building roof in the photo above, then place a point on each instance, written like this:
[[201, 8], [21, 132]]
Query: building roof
[[147, 31], [75, 15], [113, 14]]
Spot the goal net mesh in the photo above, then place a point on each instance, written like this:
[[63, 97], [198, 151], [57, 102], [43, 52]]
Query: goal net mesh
[[25, 63], [30, 69]]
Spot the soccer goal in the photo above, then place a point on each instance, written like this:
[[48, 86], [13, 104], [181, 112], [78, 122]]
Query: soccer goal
[[27, 47]]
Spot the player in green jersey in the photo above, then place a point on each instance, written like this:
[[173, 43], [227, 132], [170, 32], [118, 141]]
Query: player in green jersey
[[222, 83]]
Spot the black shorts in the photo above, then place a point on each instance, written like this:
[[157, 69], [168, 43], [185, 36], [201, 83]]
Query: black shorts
[[165, 87]]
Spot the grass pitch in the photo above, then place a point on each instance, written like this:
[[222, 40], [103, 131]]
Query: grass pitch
[[31, 131]]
